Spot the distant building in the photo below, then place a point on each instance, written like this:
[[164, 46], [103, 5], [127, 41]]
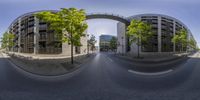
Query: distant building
[[104, 42]]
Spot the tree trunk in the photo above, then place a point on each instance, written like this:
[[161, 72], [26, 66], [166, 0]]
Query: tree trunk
[[72, 55], [181, 48], [138, 48], [72, 50], [87, 48]]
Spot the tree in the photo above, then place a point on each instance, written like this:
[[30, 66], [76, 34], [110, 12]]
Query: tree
[[181, 39], [192, 43], [113, 43], [7, 40], [139, 32], [91, 42], [69, 24]]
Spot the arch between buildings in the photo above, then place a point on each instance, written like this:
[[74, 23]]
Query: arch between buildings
[[121, 37]]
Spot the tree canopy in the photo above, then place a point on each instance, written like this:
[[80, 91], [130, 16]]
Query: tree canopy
[[192, 43], [139, 32], [92, 41], [7, 40], [181, 38], [68, 24], [113, 43]]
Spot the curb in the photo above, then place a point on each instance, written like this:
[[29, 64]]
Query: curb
[[43, 77], [147, 61], [150, 74], [154, 67]]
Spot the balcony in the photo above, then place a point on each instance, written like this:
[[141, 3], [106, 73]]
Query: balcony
[[154, 25], [42, 28], [30, 24], [31, 18], [42, 37], [42, 23], [30, 30]]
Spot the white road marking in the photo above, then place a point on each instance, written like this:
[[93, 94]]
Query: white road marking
[[110, 59], [150, 74]]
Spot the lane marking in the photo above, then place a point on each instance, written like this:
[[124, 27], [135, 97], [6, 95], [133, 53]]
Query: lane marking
[[150, 74], [110, 59]]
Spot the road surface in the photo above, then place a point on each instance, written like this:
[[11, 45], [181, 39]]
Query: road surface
[[104, 78]]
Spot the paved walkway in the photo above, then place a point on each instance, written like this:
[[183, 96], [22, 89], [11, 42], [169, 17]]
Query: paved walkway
[[154, 58], [45, 56]]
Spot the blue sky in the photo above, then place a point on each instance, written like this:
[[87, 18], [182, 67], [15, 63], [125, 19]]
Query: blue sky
[[185, 10]]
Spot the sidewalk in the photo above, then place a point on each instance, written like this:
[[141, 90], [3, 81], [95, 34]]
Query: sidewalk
[[49, 65], [154, 64], [43, 56], [155, 58]]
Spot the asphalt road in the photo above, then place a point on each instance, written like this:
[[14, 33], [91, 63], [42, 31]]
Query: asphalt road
[[104, 78]]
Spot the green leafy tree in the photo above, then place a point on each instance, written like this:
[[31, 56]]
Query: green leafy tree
[[91, 43], [139, 32], [68, 24], [7, 40], [181, 39], [113, 43], [192, 43]]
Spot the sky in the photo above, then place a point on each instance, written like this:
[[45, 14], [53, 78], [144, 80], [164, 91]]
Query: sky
[[186, 11]]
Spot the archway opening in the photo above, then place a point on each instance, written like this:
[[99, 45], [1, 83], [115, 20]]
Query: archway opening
[[105, 27], [103, 30]]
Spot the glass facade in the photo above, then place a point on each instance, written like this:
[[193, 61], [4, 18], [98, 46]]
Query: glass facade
[[104, 42]]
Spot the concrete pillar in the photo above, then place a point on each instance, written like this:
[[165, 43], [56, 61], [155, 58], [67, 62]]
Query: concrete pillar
[[159, 34], [19, 36], [121, 38], [124, 40], [174, 33], [36, 35]]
